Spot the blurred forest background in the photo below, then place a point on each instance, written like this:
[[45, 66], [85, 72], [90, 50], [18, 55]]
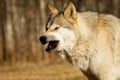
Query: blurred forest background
[[22, 22]]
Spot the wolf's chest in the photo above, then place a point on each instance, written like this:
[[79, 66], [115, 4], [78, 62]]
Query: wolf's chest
[[81, 62]]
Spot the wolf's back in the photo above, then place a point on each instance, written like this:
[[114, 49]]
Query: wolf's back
[[94, 19]]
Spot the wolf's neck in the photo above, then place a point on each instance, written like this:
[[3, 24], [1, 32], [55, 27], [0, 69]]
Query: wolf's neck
[[83, 27], [79, 55]]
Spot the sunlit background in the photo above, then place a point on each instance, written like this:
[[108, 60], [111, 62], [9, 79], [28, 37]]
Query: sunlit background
[[21, 24]]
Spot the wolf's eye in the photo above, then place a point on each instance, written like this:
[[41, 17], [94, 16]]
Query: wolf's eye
[[56, 28]]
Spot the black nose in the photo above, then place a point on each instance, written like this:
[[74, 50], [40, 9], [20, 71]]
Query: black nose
[[43, 39]]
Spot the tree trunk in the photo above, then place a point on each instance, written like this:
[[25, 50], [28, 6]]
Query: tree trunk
[[116, 6], [3, 54]]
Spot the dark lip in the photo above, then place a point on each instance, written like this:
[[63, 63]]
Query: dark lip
[[52, 45]]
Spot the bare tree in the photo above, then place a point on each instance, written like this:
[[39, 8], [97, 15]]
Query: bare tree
[[3, 54], [23, 21]]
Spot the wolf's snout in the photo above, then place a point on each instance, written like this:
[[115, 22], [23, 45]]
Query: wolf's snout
[[43, 39]]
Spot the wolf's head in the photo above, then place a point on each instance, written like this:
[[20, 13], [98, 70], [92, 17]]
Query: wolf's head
[[61, 29]]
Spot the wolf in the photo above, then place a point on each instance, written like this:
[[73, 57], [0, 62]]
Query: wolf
[[88, 40]]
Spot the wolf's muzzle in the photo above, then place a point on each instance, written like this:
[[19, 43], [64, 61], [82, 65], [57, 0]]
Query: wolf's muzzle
[[43, 39], [52, 44]]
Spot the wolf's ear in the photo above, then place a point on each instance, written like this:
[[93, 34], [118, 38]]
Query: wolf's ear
[[70, 13], [52, 9]]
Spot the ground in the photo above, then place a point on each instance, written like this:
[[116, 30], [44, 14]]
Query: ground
[[30, 71]]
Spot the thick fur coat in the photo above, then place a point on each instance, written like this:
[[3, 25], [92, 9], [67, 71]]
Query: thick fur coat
[[88, 40]]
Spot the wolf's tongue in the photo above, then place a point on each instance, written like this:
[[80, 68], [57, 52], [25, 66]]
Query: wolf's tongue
[[50, 46]]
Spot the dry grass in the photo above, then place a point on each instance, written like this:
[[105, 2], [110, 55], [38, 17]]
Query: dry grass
[[57, 71]]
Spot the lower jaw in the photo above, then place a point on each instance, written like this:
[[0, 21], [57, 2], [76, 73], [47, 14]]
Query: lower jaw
[[49, 50]]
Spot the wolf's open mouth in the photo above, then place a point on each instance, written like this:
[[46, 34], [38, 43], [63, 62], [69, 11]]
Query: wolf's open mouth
[[52, 45]]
